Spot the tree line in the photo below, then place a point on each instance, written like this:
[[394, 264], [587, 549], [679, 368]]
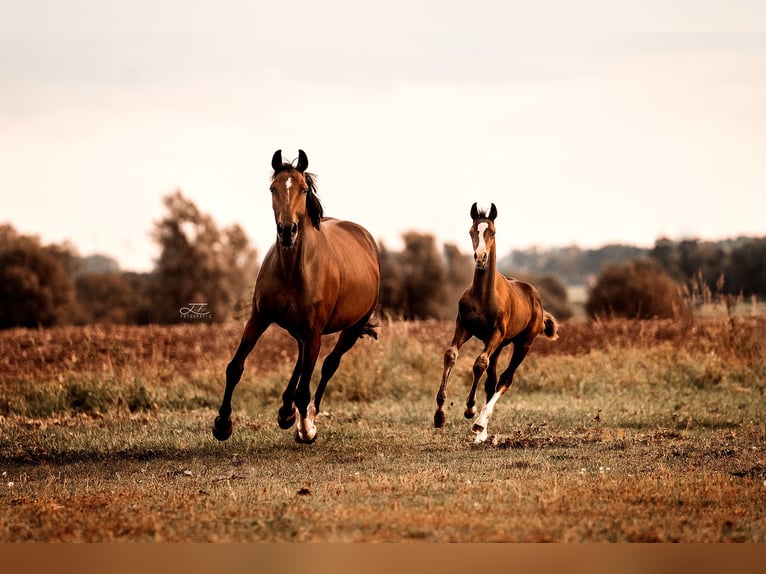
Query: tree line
[[207, 273], [740, 261]]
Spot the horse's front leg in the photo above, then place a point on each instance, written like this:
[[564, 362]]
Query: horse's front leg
[[450, 357], [306, 431], [254, 328]]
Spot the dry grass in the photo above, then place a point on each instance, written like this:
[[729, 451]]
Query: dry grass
[[619, 431]]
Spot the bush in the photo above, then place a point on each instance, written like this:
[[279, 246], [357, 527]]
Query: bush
[[35, 288], [637, 289]]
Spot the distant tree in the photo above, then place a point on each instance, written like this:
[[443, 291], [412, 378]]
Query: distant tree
[[109, 298], [198, 264], [35, 285], [424, 277], [553, 294], [746, 270], [636, 289], [391, 302], [97, 263], [458, 276]]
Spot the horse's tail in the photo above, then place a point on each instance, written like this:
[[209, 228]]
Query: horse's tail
[[550, 326], [369, 331]]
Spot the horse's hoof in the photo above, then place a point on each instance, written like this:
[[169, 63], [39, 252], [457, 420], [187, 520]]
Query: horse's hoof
[[285, 422], [439, 418], [222, 429], [470, 412], [301, 440]]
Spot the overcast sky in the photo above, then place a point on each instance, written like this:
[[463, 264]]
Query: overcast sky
[[584, 122]]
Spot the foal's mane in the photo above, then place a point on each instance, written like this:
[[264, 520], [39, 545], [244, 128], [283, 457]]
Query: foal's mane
[[313, 205]]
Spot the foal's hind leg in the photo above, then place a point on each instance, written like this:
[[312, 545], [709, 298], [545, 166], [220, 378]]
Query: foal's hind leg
[[482, 363], [520, 351], [254, 328]]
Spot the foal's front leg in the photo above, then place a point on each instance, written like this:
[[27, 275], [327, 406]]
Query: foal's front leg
[[450, 357]]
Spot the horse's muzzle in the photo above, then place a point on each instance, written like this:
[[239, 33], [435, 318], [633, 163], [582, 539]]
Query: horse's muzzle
[[287, 234]]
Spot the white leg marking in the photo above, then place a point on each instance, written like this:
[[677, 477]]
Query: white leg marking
[[480, 437], [307, 427], [481, 422]]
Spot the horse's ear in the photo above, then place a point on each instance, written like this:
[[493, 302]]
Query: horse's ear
[[303, 161], [474, 211], [276, 160], [492, 212]]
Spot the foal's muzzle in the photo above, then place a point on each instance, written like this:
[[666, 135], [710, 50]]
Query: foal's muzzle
[[287, 234], [481, 259]]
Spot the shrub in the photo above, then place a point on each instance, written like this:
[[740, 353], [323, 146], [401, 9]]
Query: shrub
[[636, 289]]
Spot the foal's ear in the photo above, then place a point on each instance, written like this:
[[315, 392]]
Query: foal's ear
[[303, 161], [276, 160], [474, 212], [492, 212]]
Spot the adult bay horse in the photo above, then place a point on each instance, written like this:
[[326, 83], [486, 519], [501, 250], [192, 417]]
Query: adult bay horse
[[321, 276], [498, 311]]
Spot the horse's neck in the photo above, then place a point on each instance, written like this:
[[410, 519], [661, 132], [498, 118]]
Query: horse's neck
[[483, 285], [294, 262]]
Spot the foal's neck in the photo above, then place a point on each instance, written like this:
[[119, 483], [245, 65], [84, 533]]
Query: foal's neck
[[483, 285]]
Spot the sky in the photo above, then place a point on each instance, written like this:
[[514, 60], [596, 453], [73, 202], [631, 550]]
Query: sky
[[586, 123]]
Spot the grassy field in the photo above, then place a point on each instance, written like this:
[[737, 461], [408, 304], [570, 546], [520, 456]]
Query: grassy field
[[619, 431]]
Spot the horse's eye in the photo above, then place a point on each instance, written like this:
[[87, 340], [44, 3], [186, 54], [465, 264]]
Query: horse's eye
[[272, 190], [305, 190]]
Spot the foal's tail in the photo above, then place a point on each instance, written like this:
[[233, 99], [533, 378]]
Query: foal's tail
[[550, 326]]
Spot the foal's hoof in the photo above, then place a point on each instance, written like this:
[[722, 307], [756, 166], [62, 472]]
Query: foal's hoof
[[222, 428], [300, 439], [439, 418], [285, 421], [469, 412]]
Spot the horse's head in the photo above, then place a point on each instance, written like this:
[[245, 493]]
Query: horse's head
[[482, 234], [293, 198]]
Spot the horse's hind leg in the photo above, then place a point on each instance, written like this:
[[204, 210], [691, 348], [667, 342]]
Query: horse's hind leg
[[520, 351], [346, 340], [254, 328], [286, 414], [306, 431]]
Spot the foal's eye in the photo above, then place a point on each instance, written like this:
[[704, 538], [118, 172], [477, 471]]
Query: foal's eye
[[305, 190], [272, 190]]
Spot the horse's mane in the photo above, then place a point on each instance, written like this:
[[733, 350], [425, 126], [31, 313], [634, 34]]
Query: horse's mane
[[313, 205]]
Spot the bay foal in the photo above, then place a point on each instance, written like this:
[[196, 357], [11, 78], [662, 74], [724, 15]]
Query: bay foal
[[321, 276], [499, 312]]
